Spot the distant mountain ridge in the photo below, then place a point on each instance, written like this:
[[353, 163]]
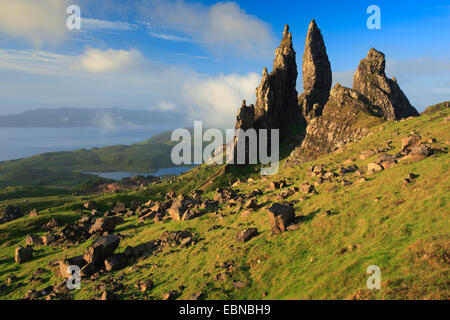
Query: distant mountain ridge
[[87, 117]]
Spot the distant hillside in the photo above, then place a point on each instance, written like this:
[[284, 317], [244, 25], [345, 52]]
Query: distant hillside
[[64, 168], [85, 117]]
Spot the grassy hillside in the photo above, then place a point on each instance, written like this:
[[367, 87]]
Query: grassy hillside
[[402, 229], [64, 168]]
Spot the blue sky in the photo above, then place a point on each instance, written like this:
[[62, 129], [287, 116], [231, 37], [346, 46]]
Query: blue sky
[[204, 56]]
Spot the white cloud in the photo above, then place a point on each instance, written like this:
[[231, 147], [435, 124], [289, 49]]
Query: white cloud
[[95, 61], [165, 106], [216, 100], [32, 76], [35, 21], [96, 24], [169, 37], [222, 28], [33, 61]]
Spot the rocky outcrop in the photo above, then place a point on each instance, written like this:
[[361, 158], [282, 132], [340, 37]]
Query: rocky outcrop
[[317, 77], [345, 118], [276, 104], [371, 81]]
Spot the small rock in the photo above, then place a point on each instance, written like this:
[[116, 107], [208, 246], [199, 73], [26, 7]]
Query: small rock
[[34, 213], [108, 295], [247, 234], [23, 254]]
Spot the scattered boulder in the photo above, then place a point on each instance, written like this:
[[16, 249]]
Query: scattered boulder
[[170, 295], [170, 195], [374, 167], [101, 249], [115, 262], [251, 204], [106, 224], [306, 188], [346, 183], [23, 254], [146, 285], [246, 235], [420, 152], [90, 205], [34, 213], [280, 216], [411, 141], [120, 207], [63, 265], [33, 240], [108, 295], [52, 224], [364, 154], [180, 208], [223, 195]]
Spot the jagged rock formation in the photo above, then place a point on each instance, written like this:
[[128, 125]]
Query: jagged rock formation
[[334, 117], [245, 117], [276, 104], [371, 81], [345, 119], [317, 77]]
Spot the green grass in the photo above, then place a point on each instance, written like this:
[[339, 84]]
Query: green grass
[[403, 230]]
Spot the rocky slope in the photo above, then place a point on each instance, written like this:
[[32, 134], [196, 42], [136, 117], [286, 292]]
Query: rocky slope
[[346, 118], [308, 232], [374, 193]]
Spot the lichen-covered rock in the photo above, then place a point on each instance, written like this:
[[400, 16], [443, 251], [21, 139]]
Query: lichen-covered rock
[[317, 77], [371, 81], [345, 119]]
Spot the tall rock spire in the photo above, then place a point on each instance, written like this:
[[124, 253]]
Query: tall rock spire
[[316, 66], [276, 104], [370, 80], [317, 77]]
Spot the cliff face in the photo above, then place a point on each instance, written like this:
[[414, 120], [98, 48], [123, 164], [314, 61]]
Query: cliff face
[[317, 77], [371, 81], [276, 104], [345, 119]]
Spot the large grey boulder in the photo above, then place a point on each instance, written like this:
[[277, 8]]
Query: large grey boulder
[[101, 249]]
